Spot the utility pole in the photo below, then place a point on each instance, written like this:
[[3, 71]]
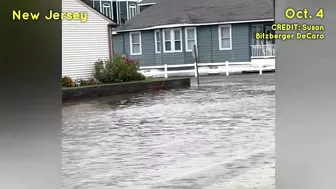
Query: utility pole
[[195, 55]]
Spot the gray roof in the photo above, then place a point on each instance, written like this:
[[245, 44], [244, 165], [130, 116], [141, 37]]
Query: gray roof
[[147, 1], [166, 12]]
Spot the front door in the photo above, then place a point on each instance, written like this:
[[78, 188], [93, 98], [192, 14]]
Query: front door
[[256, 28], [268, 29]]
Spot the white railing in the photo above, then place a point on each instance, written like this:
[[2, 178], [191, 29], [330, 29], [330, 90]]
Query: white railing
[[263, 51], [205, 69]]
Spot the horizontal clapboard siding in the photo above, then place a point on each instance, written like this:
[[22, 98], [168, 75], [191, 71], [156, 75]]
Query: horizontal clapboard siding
[[83, 43]]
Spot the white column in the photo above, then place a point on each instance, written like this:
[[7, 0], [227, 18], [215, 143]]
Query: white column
[[117, 9], [195, 67], [166, 71], [227, 67]]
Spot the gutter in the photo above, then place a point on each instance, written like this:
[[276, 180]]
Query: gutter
[[144, 4], [190, 25]]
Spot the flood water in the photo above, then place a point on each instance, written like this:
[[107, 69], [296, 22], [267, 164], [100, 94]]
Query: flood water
[[219, 135]]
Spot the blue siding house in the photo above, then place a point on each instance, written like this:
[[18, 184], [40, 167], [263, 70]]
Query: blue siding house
[[165, 31]]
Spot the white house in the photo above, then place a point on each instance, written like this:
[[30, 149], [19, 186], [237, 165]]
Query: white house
[[83, 43]]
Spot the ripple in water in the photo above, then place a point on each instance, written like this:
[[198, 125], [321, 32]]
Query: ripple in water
[[217, 135]]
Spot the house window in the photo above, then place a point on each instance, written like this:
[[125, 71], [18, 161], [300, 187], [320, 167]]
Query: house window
[[225, 37], [157, 41], [135, 43], [172, 40], [191, 38], [107, 9], [132, 10]]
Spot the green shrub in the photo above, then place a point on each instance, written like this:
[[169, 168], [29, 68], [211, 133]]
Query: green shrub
[[67, 82], [99, 70], [118, 69]]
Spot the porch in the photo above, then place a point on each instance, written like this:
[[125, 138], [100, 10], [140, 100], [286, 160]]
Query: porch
[[262, 48], [263, 51]]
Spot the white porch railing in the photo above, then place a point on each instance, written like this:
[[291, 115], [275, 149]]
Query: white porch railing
[[263, 51], [205, 69]]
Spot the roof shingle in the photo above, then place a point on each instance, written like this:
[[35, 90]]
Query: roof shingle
[[166, 12]]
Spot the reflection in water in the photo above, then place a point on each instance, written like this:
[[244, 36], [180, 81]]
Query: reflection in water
[[217, 135]]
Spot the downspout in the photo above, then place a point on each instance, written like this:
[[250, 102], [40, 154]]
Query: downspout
[[110, 43]]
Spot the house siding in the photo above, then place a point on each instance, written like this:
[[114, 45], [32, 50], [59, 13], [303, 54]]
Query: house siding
[[118, 44], [208, 44], [83, 43], [208, 47], [148, 49], [121, 45], [205, 43], [123, 8], [240, 45]]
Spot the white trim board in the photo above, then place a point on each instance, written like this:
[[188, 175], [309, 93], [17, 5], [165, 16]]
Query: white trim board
[[186, 37], [131, 43], [172, 40], [144, 4], [200, 24], [220, 37], [156, 40]]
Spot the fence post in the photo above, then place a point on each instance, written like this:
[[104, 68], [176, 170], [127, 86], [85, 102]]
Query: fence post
[[165, 71], [227, 67], [260, 68], [195, 69]]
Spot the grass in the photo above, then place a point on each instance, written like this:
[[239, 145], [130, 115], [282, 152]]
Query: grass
[[122, 83]]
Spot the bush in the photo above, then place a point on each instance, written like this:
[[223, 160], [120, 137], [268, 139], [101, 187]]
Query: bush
[[67, 82], [99, 71], [118, 69], [85, 82]]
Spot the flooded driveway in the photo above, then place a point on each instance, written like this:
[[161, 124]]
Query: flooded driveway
[[217, 135]]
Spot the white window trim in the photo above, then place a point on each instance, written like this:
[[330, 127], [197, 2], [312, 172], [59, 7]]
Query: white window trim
[[220, 36], [156, 41], [172, 40], [108, 6], [132, 6], [131, 43], [186, 37]]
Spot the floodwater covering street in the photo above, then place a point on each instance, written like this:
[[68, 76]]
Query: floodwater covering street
[[219, 135]]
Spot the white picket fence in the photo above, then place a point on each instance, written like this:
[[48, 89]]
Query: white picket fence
[[205, 69]]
